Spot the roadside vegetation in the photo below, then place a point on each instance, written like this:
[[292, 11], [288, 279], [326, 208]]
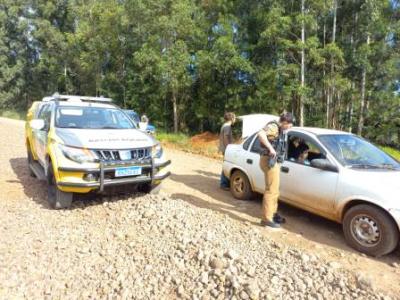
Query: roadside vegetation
[[184, 63], [392, 151], [13, 114], [204, 145], [196, 144]]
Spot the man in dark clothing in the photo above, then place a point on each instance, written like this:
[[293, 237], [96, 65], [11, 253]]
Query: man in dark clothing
[[226, 138]]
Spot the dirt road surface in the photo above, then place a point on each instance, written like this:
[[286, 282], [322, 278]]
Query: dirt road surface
[[195, 180]]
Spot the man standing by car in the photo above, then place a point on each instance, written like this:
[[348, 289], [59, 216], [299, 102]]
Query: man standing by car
[[271, 137], [226, 138]]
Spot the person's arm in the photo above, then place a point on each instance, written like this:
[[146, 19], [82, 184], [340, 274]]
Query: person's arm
[[230, 135], [227, 136], [262, 135]]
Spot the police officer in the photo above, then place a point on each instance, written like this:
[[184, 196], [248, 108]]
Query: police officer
[[271, 137]]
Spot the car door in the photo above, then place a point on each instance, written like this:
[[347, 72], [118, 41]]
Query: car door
[[305, 186], [253, 165], [40, 136]]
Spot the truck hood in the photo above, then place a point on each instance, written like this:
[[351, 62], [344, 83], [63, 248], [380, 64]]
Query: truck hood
[[105, 138]]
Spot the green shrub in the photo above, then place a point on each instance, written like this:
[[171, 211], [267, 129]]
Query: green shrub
[[13, 114], [392, 151]]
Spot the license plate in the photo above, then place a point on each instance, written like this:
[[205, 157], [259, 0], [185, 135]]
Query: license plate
[[128, 171]]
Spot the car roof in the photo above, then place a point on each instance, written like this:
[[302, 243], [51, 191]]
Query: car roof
[[320, 131]]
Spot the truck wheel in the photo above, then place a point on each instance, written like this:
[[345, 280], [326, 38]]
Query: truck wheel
[[57, 199], [240, 186], [149, 188], [370, 230], [30, 161]]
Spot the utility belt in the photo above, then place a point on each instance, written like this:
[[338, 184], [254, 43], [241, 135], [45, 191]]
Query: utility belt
[[279, 145]]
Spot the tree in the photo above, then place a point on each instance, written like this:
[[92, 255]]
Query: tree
[[184, 62]]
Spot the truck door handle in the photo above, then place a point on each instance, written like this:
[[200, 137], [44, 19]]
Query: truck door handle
[[285, 169], [249, 161]]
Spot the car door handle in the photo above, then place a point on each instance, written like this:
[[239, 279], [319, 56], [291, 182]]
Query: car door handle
[[249, 161], [285, 169]]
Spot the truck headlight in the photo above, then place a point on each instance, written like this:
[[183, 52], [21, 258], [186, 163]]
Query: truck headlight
[[156, 151], [79, 155]]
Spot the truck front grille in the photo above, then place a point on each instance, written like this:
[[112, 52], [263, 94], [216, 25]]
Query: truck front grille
[[117, 155]]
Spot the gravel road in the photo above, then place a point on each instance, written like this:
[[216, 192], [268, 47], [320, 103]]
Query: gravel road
[[190, 242]]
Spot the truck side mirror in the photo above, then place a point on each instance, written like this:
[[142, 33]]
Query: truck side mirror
[[37, 124]]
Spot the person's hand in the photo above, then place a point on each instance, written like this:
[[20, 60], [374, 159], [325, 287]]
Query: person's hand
[[272, 152]]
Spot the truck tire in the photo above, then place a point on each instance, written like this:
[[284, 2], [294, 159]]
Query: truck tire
[[370, 230], [57, 199], [240, 186], [30, 161]]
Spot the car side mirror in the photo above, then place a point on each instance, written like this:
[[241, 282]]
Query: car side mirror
[[37, 124], [324, 164]]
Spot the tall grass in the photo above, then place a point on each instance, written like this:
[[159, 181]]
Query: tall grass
[[13, 114], [173, 138], [391, 151]]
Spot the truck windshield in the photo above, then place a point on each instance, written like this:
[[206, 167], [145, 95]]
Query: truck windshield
[[133, 115], [354, 152], [92, 118]]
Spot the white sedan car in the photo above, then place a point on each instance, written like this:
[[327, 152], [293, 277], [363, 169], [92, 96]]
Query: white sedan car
[[342, 177]]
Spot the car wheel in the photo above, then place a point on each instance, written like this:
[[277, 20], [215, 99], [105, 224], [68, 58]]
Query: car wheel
[[370, 230], [56, 198], [240, 186]]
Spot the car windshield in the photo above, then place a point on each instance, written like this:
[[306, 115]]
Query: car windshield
[[133, 115], [354, 152], [92, 118]]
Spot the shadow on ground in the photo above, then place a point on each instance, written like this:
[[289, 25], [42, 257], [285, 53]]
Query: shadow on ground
[[299, 222], [36, 190]]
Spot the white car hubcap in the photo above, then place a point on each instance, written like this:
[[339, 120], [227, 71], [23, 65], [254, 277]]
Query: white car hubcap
[[365, 230]]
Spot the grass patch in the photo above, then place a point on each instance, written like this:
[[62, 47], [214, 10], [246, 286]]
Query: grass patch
[[13, 114], [392, 151], [185, 143], [179, 139]]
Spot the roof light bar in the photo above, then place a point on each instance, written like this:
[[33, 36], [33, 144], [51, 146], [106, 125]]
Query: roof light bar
[[75, 98]]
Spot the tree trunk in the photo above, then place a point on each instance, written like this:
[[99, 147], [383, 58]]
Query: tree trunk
[[349, 112], [175, 109], [65, 78], [353, 86], [362, 99], [324, 77], [302, 80], [331, 90]]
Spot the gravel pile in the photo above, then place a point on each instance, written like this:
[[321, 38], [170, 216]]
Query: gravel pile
[[155, 247]]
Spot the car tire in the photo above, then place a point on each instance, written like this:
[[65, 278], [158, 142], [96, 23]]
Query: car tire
[[56, 198], [370, 230], [149, 188], [30, 161], [240, 186]]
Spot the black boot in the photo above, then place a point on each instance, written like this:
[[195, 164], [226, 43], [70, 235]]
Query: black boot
[[279, 219], [270, 224]]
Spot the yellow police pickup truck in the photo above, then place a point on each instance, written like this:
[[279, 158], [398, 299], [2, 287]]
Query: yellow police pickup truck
[[86, 144]]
